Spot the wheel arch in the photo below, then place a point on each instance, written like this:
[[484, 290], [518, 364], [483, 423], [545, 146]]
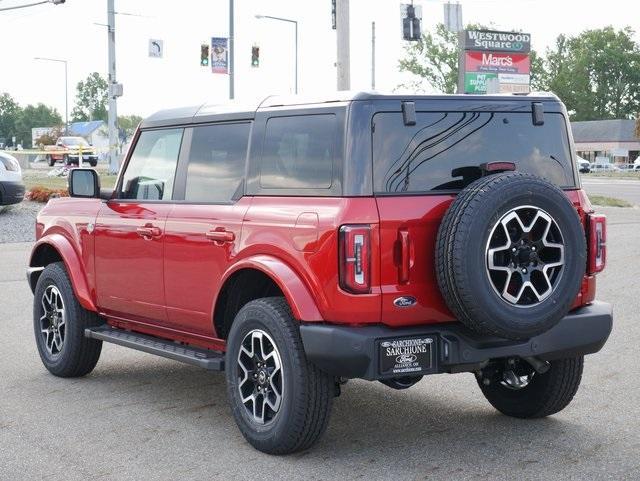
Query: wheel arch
[[256, 277], [57, 248]]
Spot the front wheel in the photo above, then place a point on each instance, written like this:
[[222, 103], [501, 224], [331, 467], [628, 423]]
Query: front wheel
[[280, 401], [51, 161], [59, 322], [515, 389]]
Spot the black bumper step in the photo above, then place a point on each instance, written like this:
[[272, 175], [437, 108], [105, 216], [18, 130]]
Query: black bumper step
[[212, 360]]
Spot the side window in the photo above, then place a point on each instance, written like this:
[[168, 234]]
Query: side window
[[298, 152], [216, 162], [152, 168]]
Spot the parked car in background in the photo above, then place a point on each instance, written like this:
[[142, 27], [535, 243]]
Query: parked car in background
[[604, 168], [67, 150], [11, 185], [583, 165]]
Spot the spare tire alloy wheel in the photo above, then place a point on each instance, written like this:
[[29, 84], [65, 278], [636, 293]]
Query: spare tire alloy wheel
[[261, 384], [525, 256], [52, 322], [511, 255]]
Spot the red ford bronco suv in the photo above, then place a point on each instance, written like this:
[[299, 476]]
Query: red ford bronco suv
[[309, 241]]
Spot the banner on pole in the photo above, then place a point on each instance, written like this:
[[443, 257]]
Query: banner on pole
[[220, 55]]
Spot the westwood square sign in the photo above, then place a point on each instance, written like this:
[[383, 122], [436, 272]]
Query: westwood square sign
[[498, 61]]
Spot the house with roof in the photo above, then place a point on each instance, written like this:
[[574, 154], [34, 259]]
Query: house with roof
[[614, 139], [95, 132]]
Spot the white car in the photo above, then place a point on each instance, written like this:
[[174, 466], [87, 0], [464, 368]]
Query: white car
[[11, 185]]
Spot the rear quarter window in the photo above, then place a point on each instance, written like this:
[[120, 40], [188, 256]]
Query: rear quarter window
[[443, 151], [298, 152]]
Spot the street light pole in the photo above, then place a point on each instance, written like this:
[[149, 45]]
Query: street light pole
[[66, 90], [295, 23], [112, 114]]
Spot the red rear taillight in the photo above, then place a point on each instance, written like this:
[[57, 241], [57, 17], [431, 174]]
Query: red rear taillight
[[597, 243], [355, 258]]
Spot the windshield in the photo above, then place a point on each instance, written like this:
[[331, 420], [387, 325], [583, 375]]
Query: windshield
[[74, 141], [444, 150]]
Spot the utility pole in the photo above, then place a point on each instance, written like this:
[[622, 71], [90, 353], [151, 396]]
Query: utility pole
[[112, 119], [342, 33], [373, 55], [231, 52]]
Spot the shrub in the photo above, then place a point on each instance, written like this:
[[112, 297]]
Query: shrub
[[43, 194]]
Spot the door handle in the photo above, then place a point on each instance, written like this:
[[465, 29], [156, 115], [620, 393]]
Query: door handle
[[405, 255], [148, 231], [221, 236]]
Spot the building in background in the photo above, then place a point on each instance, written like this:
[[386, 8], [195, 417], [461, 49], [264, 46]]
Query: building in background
[[613, 139], [94, 132]]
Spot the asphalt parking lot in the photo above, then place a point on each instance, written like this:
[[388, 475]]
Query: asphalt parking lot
[[137, 417]]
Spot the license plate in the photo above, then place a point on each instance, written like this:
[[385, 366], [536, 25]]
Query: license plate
[[406, 356]]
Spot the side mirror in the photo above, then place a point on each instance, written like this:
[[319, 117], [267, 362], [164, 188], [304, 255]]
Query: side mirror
[[84, 183]]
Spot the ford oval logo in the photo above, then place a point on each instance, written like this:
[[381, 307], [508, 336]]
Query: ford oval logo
[[405, 358], [405, 301]]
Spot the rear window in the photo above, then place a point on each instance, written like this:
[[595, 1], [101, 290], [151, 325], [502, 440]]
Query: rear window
[[298, 152], [444, 150]]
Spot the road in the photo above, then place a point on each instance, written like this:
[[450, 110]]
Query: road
[[624, 189], [137, 417]]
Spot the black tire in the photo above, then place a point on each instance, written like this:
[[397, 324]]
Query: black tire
[[51, 161], [546, 394], [307, 392], [77, 355], [461, 256], [93, 163]]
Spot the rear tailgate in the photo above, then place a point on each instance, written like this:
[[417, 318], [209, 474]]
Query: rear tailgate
[[418, 169]]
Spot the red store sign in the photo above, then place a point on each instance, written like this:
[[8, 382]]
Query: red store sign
[[498, 62]]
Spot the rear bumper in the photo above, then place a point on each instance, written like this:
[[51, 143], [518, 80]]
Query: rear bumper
[[11, 192], [352, 352]]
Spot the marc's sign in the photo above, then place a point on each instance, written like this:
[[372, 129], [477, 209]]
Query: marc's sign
[[494, 41]]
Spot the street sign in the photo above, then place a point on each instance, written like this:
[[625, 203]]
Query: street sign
[[156, 48]]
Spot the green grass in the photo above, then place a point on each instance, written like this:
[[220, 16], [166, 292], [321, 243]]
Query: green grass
[[609, 201], [40, 179]]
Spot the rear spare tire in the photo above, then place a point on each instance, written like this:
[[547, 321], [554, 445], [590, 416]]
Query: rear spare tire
[[510, 255]]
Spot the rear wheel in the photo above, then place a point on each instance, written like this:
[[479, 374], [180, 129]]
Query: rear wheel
[[59, 322], [515, 389], [280, 401]]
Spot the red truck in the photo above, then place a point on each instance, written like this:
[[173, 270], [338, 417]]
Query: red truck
[[306, 242]]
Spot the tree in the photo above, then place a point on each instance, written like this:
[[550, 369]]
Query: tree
[[35, 116], [91, 99], [434, 59], [596, 73], [9, 113], [127, 126]]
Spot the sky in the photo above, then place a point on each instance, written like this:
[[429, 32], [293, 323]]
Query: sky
[[71, 32]]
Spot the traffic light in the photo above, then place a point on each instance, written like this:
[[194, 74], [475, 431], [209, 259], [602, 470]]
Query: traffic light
[[255, 56], [57, 2], [204, 55], [411, 25]]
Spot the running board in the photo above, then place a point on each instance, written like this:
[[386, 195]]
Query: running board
[[212, 360]]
